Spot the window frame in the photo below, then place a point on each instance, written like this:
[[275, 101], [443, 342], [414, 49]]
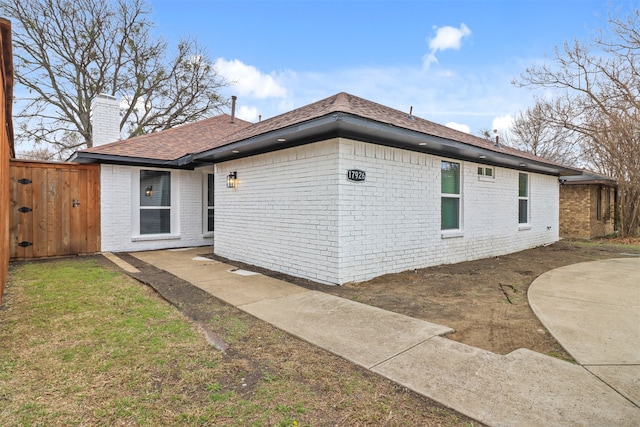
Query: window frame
[[205, 202], [451, 232], [482, 173], [137, 208], [526, 198]]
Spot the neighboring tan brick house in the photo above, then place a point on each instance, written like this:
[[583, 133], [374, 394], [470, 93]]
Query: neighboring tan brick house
[[340, 190], [587, 206]]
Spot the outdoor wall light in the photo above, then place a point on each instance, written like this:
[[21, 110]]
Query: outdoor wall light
[[232, 179], [148, 191]]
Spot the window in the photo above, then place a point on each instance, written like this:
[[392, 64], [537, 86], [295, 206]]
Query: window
[[450, 196], [485, 171], [523, 198], [209, 206], [155, 202], [607, 205]]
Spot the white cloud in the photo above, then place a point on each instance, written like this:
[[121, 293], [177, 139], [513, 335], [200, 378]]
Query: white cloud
[[446, 38], [467, 100], [249, 81], [458, 126], [249, 114], [502, 123]]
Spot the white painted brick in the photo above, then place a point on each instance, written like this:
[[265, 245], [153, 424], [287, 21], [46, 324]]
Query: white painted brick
[[294, 211], [105, 120], [117, 198]]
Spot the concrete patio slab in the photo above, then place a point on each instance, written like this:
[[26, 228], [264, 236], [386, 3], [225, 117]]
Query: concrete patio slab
[[592, 309], [240, 290], [360, 333], [565, 285], [185, 258], [590, 331], [120, 263], [625, 379], [523, 388], [218, 278]]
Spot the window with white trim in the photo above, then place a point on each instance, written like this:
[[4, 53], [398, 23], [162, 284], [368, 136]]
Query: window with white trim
[[485, 171], [155, 202], [450, 195], [523, 198]]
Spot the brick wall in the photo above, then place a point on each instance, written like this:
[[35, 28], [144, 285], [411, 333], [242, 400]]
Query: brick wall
[[118, 193], [294, 211], [391, 222], [283, 215], [579, 211], [105, 120]]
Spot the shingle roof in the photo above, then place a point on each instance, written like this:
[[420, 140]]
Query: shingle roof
[[171, 144], [211, 134], [589, 177], [347, 103]]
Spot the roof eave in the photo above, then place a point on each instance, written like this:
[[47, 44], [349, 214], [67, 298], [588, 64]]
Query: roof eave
[[339, 124], [88, 157], [604, 182]]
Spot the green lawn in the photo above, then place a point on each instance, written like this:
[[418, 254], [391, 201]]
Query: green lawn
[[82, 344]]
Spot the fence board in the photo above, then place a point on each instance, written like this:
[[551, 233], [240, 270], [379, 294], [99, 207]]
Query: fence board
[[93, 208], [55, 226], [24, 220], [41, 223]]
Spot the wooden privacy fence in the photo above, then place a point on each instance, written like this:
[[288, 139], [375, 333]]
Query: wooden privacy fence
[[55, 209]]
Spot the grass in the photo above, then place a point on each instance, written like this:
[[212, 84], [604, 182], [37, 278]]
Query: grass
[[83, 344], [629, 243]]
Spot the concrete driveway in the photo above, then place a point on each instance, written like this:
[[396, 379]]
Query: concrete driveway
[[593, 311]]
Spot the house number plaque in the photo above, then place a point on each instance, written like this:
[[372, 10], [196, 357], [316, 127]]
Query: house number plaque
[[356, 175]]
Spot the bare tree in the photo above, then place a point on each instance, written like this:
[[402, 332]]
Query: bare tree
[[597, 97], [68, 51], [41, 154], [533, 133]]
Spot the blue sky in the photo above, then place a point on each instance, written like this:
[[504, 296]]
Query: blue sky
[[453, 61]]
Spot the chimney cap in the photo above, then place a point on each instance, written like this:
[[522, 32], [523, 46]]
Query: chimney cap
[[106, 96]]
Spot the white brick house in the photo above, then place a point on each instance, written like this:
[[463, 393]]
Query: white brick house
[[337, 191]]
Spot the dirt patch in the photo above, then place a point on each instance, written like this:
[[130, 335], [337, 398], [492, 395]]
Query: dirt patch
[[484, 301]]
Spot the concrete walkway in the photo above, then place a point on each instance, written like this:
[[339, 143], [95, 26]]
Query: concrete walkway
[[522, 388]]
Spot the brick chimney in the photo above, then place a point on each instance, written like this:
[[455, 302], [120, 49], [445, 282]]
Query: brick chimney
[[105, 119]]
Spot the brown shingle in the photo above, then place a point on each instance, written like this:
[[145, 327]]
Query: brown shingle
[[174, 143], [218, 131], [347, 103]]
